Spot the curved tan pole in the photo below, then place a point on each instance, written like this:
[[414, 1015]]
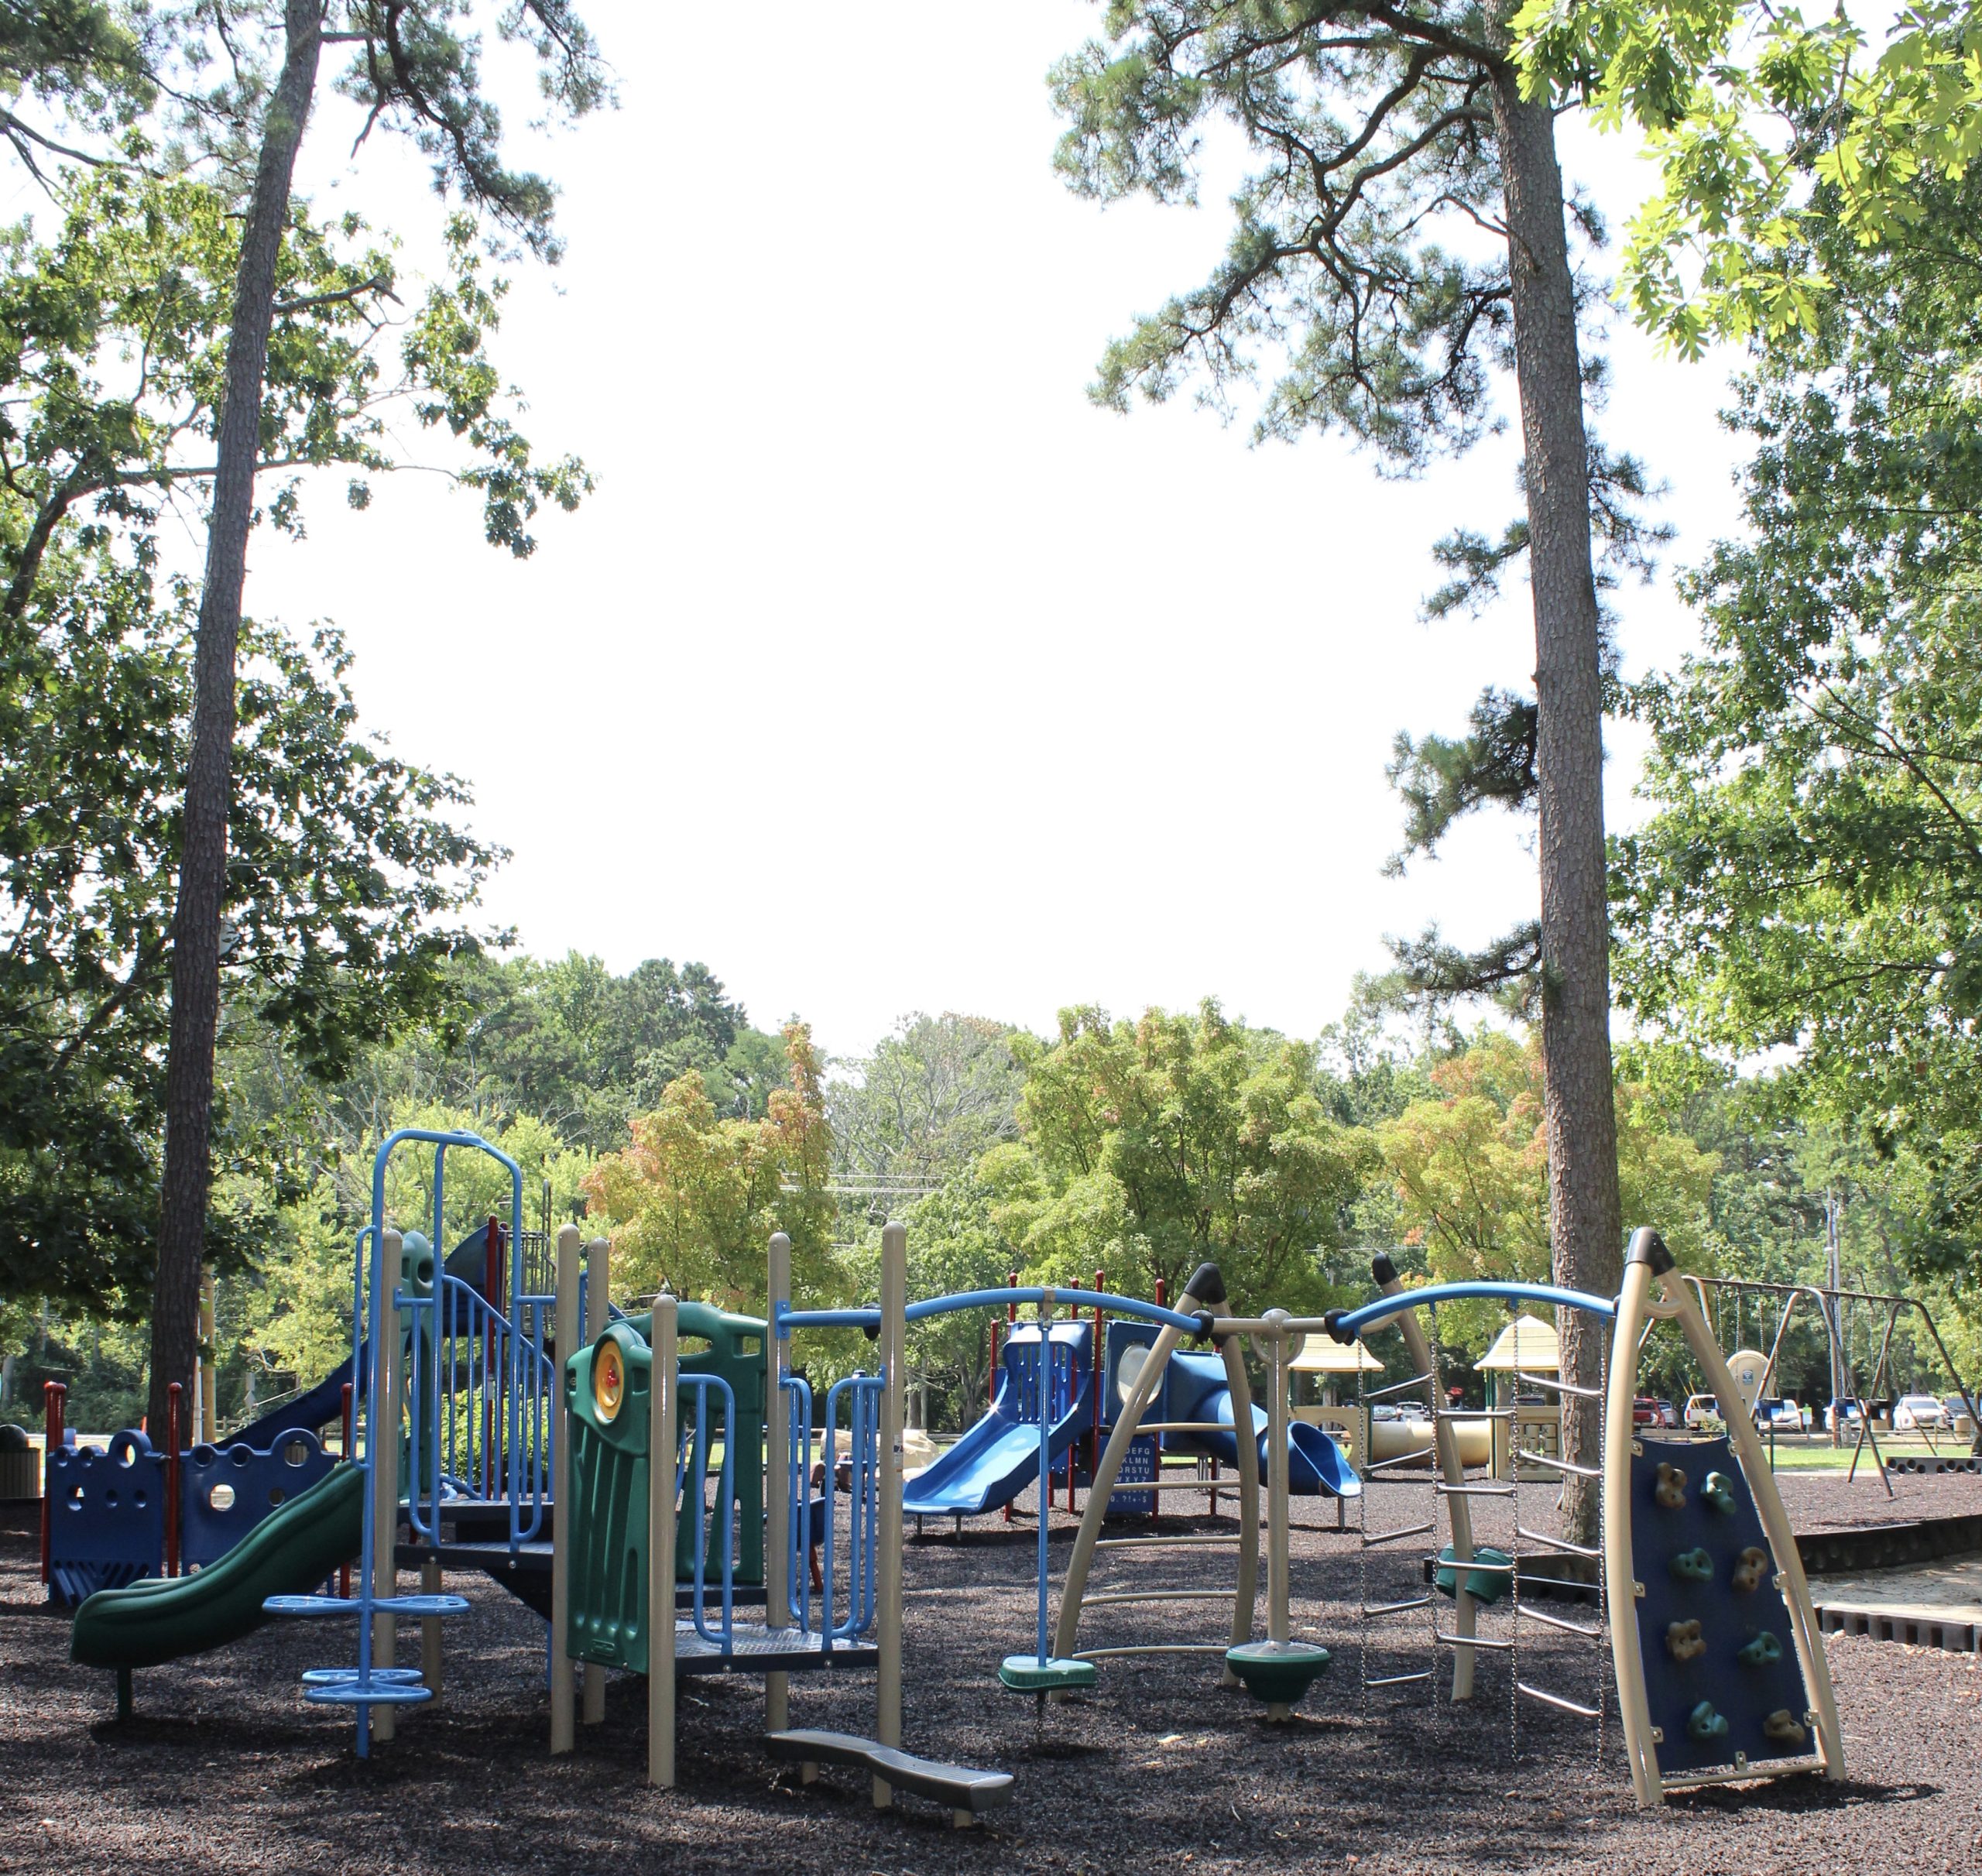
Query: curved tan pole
[[1634, 1315], [1099, 1493], [1446, 1440]]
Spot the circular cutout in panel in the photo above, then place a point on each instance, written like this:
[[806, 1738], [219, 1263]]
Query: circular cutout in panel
[[1129, 1370], [221, 1498], [608, 1380], [295, 1452], [275, 1495]]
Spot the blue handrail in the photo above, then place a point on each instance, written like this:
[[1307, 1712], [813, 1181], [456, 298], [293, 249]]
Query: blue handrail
[[691, 1475], [1372, 1314], [788, 1319]]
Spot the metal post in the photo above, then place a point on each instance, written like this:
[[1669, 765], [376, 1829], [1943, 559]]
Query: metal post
[[382, 1444], [174, 1395], [1011, 1316], [349, 1455], [208, 1428], [598, 1286], [887, 1563], [53, 1396], [663, 1390], [777, 1478], [563, 1686], [492, 1291]]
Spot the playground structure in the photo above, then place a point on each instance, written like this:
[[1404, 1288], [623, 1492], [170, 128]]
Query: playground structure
[[482, 1412]]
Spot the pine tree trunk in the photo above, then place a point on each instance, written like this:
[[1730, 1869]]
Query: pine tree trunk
[[196, 958], [1580, 1120]]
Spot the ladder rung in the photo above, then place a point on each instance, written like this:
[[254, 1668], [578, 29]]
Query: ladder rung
[[1472, 1491], [1383, 1394], [1406, 1531], [1525, 1458], [1560, 1582], [1420, 1456], [1159, 1595], [1153, 1647], [1186, 1541], [1472, 1642], [1574, 1550], [1557, 1700], [1588, 1630], [1415, 1602], [1399, 1680], [1555, 1386]]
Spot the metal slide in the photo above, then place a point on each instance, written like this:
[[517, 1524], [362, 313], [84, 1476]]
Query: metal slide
[[999, 1457]]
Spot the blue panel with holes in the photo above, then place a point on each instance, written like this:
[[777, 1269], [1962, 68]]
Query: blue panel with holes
[[1721, 1676], [106, 1516], [225, 1491]]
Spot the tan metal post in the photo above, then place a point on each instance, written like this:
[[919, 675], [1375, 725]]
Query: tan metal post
[[1232, 1353], [431, 1584], [887, 1561], [209, 1364], [563, 1686], [382, 1442], [663, 1389], [598, 1298], [777, 1486]]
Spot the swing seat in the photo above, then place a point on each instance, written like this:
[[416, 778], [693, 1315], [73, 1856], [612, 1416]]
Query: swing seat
[[1028, 1674], [1278, 1672]]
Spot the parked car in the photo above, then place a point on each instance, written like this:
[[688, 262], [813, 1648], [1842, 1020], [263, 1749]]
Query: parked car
[[1841, 1414], [1779, 1416], [1702, 1410], [1644, 1411], [1958, 1408], [1668, 1414], [1413, 1410], [1913, 1413]]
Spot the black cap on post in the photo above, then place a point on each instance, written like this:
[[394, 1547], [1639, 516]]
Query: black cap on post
[[1648, 1247], [1382, 1269], [1207, 1284]]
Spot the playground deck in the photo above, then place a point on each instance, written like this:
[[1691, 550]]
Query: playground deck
[[1157, 1770]]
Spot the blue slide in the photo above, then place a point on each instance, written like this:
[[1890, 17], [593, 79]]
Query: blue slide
[[1197, 1391], [999, 1457]]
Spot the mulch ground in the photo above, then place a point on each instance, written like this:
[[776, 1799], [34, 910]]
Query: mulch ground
[[225, 1769]]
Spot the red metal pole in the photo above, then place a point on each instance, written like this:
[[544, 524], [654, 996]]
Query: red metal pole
[[1012, 1315], [491, 1288], [1162, 1302], [172, 1394], [1100, 1377], [53, 1431], [344, 1569]]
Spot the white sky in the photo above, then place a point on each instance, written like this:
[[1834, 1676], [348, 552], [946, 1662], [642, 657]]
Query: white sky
[[883, 671]]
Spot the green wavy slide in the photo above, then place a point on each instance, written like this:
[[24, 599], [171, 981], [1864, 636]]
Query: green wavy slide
[[291, 1551]]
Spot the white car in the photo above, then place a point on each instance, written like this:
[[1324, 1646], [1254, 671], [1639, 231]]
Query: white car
[[1913, 1412], [1702, 1410], [1774, 1416]]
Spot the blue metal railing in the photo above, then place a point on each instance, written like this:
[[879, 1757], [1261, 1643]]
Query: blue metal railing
[[1373, 1315], [691, 1479], [862, 1395]]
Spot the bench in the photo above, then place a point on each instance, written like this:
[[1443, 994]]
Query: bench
[[964, 1792]]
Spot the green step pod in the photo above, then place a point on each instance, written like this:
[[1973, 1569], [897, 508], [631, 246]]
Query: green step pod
[[1487, 1585], [1719, 1492], [1278, 1672], [1693, 1565], [1028, 1674]]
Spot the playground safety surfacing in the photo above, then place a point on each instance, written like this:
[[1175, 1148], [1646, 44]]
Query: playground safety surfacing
[[225, 1769]]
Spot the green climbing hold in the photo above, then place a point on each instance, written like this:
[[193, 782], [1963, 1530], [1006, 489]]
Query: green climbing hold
[[1487, 1584], [1719, 1492], [1694, 1566], [1764, 1652], [1704, 1723]]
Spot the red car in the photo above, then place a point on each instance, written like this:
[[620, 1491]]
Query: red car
[[1644, 1411]]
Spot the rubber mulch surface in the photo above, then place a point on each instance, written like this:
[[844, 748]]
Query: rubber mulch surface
[[225, 1769]]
